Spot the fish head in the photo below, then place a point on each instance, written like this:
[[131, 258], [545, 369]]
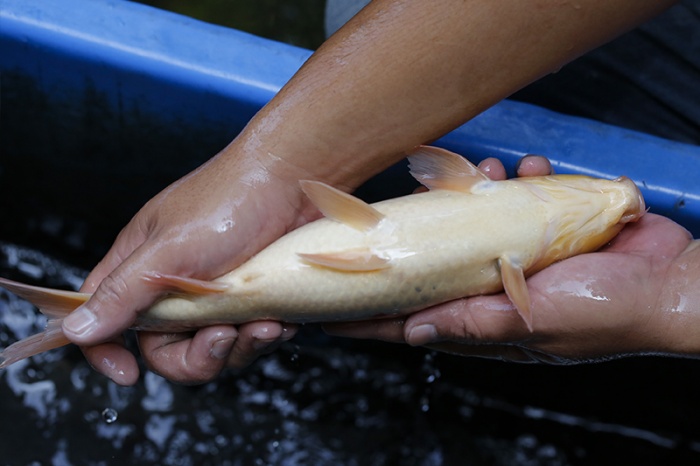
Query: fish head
[[584, 213], [636, 207]]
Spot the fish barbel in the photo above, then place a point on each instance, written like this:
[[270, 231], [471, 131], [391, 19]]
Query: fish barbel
[[467, 235]]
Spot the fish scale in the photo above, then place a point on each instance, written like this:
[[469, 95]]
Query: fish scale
[[468, 235], [450, 259]]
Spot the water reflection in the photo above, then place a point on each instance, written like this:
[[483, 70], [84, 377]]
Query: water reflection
[[320, 402]]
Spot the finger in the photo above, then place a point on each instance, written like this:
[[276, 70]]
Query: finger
[[188, 359], [390, 330], [114, 361], [258, 338], [506, 353], [127, 241], [481, 319], [534, 165], [493, 168], [115, 303], [637, 236]]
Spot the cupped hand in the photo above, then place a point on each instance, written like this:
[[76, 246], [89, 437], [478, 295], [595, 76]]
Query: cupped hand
[[593, 306], [202, 226]]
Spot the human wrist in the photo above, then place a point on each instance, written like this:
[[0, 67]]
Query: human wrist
[[291, 144], [263, 179]]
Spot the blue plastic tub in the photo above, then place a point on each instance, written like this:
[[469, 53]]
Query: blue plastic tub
[[104, 102], [94, 73]]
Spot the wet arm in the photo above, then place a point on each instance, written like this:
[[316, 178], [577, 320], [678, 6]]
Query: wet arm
[[400, 74], [405, 72]]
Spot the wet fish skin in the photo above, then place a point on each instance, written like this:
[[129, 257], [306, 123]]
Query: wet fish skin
[[467, 235], [427, 248]]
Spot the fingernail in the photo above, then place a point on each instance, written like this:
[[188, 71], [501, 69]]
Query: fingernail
[[265, 336], [79, 321], [220, 349], [421, 335]]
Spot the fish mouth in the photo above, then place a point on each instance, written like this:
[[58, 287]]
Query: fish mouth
[[637, 207]]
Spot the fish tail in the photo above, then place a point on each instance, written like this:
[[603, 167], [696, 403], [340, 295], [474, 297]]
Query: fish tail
[[47, 340], [56, 305]]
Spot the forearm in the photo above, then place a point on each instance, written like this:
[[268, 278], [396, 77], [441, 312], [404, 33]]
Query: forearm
[[405, 72]]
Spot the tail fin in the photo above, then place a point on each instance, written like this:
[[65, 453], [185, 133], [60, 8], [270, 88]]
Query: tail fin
[[55, 304]]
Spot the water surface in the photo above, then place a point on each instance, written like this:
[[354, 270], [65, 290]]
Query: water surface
[[323, 401]]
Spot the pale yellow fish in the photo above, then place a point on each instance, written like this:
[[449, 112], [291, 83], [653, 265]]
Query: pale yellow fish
[[468, 235]]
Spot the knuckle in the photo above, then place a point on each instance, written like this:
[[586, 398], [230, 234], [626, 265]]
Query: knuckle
[[178, 366], [469, 328], [112, 291]]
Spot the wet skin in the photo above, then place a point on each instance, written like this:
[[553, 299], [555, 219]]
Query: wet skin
[[398, 75], [590, 307], [635, 296]]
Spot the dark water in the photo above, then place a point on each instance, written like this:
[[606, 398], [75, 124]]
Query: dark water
[[298, 23], [316, 401], [320, 401]]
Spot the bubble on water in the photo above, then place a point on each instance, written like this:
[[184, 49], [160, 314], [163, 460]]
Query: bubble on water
[[294, 356], [425, 403], [430, 369], [110, 415]]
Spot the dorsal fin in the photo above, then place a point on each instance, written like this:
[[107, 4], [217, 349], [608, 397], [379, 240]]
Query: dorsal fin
[[437, 168], [340, 206]]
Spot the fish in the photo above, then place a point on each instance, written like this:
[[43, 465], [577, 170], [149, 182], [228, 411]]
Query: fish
[[466, 235]]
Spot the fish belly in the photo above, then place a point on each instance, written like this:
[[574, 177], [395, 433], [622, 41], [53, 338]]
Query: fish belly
[[443, 245]]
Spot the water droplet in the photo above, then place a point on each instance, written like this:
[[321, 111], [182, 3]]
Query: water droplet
[[294, 357], [425, 404], [109, 415]]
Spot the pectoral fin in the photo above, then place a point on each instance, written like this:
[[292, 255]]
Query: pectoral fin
[[437, 168], [185, 285], [354, 260], [341, 207], [516, 288]]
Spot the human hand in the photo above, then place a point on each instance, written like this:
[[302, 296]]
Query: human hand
[[593, 306], [202, 226]]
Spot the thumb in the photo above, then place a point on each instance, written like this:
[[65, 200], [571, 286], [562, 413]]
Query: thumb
[[114, 305]]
